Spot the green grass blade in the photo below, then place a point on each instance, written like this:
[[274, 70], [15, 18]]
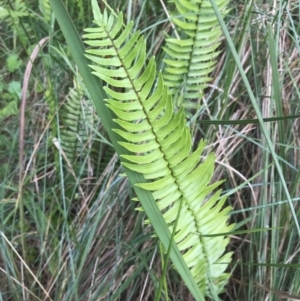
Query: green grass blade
[[97, 95], [276, 90], [247, 121]]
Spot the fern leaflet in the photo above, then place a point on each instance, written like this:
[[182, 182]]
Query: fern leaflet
[[160, 146], [192, 58]]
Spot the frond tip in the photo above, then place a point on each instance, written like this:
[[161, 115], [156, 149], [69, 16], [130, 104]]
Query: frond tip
[[160, 148]]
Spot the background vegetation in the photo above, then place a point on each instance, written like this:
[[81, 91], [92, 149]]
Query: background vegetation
[[69, 230]]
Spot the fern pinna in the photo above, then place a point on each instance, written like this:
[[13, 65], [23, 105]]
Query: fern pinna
[[160, 146], [192, 57]]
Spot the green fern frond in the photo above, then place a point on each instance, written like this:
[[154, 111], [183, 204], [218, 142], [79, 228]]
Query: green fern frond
[[193, 57], [75, 134], [87, 154], [160, 146]]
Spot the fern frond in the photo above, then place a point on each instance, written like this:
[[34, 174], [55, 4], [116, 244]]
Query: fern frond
[[160, 146], [193, 57], [76, 117]]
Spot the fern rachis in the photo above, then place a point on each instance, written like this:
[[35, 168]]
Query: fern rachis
[[192, 58], [160, 146]]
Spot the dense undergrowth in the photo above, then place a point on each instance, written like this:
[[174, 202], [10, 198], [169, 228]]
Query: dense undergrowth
[[69, 230]]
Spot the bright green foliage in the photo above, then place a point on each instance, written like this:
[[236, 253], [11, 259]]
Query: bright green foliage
[[9, 110], [80, 8], [45, 8], [13, 62], [192, 58], [12, 14], [160, 146]]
